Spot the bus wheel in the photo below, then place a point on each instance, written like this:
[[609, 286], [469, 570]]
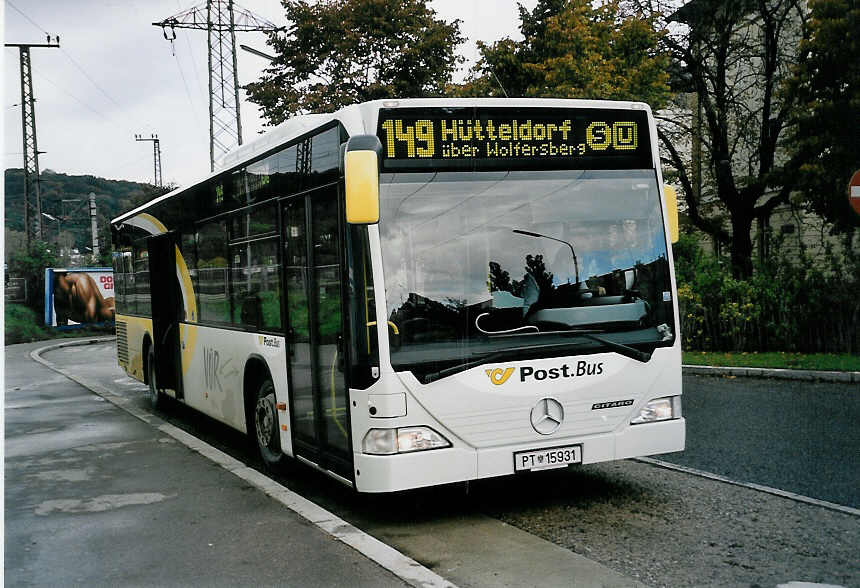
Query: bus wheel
[[266, 425], [156, 396]]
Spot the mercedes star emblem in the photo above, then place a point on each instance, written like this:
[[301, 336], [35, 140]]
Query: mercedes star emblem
[[547, 416]]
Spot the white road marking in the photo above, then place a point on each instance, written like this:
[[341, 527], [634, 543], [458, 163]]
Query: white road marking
[[752, 486]]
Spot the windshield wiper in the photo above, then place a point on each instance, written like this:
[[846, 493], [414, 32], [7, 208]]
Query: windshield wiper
[[624, 350], [536, 333], [483, 358]]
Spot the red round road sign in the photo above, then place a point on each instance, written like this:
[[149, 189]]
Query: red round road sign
[[854, 192]]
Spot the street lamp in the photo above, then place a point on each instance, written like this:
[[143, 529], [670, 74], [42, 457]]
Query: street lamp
[[53, 218], [572, 252]]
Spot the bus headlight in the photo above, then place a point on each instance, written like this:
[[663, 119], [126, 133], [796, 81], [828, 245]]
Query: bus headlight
[[403, 440], [659, 409]]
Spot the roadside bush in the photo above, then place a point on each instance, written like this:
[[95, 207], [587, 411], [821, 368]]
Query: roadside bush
[[791, 303], [30, 265], [22, 325]]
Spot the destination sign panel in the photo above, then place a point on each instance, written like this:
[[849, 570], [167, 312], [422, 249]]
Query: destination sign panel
[[514, 138]]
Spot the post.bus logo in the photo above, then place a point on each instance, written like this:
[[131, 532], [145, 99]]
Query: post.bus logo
[[582, 368], [499, 376]]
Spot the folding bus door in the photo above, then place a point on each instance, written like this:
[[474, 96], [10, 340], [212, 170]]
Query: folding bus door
[[313, 273], [166, 310]]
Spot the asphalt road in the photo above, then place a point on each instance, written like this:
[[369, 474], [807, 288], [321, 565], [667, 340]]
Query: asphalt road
[[802, 437], [661, 527]]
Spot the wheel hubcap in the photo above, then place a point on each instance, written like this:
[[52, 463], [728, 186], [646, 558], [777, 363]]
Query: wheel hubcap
[[265, 420]]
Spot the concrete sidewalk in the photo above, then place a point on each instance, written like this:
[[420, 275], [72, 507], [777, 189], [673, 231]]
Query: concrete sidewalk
[[97, 497]]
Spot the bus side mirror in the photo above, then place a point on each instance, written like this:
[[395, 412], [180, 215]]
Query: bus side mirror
[[361, 173], [671, 198]]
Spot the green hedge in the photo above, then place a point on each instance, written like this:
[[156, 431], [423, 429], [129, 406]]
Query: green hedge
[[22, 325], [791, 303]]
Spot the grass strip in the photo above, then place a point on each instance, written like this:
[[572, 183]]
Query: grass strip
[[831, 362]]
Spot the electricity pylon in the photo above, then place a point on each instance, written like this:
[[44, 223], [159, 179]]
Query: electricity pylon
[[221, 19], [32, 193], [156, 156]]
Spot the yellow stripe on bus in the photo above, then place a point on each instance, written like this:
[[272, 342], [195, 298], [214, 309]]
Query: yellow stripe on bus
[[188, 336], [148, 223]]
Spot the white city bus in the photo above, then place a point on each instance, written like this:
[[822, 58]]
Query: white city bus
[[416, 292]]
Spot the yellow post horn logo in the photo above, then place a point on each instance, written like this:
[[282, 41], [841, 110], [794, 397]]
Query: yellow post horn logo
[[499, 376]]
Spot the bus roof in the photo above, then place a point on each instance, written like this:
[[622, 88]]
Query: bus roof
[[361, 118]]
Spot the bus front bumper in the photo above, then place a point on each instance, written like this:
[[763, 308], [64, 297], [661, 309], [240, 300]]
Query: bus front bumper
[[390, 473]]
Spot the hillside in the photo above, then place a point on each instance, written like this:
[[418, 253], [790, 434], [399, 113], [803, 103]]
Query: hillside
[[112, 198]]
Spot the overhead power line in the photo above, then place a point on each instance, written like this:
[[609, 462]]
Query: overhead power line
[[69, 56], [221, 19], [83, 103], [32, 22], [187, 91], [92, 81]]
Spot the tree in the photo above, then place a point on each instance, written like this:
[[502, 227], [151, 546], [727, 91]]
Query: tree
[[736, 56], [15, 241], [341, 52], [573, 49], [826, 85], [31, 265]]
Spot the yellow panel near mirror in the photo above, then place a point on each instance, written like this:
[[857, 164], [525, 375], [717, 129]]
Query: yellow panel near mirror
[[671, 198], [361, 169]]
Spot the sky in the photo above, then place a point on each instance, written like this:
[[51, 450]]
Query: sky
[[115, 76]]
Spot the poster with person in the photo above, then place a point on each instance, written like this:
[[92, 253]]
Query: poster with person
[[78, 297]]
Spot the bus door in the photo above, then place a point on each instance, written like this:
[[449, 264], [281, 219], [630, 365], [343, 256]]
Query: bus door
[[167, 310], [313, 272]]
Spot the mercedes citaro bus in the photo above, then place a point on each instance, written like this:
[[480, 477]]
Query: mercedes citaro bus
[[415, 292]]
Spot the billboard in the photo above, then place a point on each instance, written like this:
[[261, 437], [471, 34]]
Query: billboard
[[79, 297]]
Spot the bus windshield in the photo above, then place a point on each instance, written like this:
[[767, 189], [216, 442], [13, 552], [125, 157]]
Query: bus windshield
[[503, 265]]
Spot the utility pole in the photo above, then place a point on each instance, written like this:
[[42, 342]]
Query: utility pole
[[32, 193], [156, 156], [221, 19], [94, 225]]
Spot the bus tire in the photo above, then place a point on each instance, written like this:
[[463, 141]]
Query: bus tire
[[266, 429], [157, 398]]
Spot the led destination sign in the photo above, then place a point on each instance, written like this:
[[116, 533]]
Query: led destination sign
[[510, 138]]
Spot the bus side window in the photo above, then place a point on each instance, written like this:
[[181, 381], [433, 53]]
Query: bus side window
[[212, 251], [143, 300], [255, 284], [285, 181], [362, 309], [325, 157], [188, 246]]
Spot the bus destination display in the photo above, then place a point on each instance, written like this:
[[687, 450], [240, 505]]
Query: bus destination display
[[494, 138]]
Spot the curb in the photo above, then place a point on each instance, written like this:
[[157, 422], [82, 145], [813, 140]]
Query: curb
[[780, 374]]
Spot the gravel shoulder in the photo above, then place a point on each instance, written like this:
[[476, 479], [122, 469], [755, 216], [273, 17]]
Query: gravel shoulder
[[668, 528]]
